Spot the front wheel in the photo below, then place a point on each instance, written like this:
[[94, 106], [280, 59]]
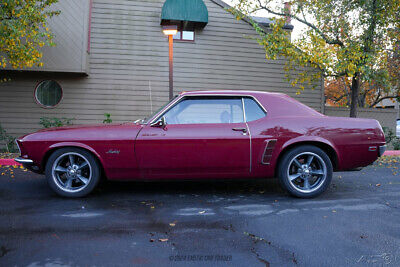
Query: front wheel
[[305, 171], [72, 172]]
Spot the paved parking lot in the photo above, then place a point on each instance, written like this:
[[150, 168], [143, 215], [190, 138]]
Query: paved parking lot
[[240, 223]]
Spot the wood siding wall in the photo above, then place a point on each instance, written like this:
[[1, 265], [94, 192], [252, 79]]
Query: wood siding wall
[[70, 30], [129, 67]]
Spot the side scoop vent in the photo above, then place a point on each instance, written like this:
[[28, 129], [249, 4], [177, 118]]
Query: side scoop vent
[[269, 148]]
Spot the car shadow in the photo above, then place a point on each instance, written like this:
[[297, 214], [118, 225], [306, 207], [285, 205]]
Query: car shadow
[[231, 187]]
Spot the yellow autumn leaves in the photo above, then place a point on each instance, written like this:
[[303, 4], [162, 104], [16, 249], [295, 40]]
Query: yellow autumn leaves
[[23, 31]]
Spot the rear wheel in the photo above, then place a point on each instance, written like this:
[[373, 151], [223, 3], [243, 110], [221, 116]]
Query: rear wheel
[[72, 172], [305, 171]]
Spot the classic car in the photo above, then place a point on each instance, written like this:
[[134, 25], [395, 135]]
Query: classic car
[[208, 134]]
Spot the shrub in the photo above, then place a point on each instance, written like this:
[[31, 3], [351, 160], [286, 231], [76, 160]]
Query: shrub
[[48, 122], [389, 135], [8, 140], [107, 118], [396, 143]]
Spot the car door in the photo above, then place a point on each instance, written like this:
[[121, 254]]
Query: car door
[[204, 136]]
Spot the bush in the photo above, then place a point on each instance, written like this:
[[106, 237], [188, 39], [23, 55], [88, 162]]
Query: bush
[[8, 140], [391, 138], [107, 118], [389, 135], [48, 122], [396, 143]]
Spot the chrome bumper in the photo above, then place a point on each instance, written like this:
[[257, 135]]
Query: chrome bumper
[[382, 150], [24, 161], [28, 163]]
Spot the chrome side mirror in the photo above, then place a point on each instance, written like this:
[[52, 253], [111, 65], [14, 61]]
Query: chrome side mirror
[[161, 123]]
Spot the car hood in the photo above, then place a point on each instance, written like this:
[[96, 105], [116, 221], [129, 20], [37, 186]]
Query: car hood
[[85, 132], [84, 127]]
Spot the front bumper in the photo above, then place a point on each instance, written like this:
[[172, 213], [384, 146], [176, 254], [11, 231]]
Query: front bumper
[[27, 163], [24, 161], [382, 150]]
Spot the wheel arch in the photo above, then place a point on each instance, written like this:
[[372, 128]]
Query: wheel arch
[[325, 146], [57, 146]]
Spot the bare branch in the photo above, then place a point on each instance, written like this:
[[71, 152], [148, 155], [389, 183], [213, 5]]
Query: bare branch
[[305, 22]]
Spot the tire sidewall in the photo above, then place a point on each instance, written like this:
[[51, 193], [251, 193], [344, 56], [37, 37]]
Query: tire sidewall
[[96, 173], [284, 165]]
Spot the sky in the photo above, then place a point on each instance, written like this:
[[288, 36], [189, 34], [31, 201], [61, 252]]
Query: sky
[[298, 27]]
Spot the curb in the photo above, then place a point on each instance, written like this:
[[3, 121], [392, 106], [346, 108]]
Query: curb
[[9, 162], [392, 153], [12, 162]]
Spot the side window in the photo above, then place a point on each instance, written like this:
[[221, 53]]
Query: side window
[[196, 110], [253, 110]]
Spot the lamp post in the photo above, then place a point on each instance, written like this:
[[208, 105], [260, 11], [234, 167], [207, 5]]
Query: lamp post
[[170, 31]]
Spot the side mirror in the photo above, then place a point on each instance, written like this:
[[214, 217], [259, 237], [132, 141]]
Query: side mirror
[[161, 123]]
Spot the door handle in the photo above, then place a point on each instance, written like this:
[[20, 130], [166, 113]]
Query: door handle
[[244, 130]]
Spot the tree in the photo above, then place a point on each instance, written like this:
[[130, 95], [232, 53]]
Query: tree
[[348, 39], [23, 30]]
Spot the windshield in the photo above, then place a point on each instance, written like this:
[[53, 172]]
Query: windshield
[[146, 120]]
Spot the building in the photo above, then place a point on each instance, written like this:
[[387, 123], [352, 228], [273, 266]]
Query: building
[[112, 57]]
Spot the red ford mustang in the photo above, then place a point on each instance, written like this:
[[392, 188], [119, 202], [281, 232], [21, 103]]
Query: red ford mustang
[[208, 134]]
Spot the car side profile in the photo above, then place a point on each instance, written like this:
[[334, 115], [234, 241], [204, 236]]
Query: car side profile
[[208, 135]]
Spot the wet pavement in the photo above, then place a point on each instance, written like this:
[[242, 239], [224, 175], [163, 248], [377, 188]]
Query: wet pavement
[[240, 223]]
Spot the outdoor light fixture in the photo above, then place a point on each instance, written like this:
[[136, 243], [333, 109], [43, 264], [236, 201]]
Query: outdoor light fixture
[[170, 31]]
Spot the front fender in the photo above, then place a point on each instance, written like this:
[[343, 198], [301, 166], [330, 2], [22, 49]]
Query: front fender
[[73, 144]]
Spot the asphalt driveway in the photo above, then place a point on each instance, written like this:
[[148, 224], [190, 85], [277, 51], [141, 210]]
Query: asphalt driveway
[[240, 223]]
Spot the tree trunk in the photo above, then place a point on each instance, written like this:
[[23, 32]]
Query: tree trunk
[[355, 88]]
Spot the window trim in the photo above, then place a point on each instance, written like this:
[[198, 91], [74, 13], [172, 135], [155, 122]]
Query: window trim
[[259, 105], [40, 104], [181, 32], [180, 98]]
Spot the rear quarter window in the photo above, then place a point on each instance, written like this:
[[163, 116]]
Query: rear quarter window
[[253, 110]]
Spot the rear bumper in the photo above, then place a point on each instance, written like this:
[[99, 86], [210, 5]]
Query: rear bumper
[[381, 150]]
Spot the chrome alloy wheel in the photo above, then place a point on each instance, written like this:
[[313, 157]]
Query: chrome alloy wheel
[[71, 172], [307, 172]]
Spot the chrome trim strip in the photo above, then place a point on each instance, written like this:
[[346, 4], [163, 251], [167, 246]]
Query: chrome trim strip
[[19, 149], [165, 109], [170, 105], [248, 130], [21, 160]]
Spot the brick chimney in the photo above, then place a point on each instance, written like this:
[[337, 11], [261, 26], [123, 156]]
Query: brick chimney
[[287, 9]]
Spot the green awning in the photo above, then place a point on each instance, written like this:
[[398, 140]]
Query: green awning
[[192, 11]]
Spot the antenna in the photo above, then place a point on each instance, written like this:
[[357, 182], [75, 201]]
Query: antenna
[[151, 101]]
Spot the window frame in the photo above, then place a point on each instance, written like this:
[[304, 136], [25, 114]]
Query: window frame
[[176, 101], [180, 30], [42, 105], [257, 103]]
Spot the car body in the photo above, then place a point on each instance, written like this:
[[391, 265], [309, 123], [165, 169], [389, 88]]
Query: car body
[[212, 134]]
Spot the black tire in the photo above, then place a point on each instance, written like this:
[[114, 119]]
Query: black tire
[[80, 155], [288, 165]]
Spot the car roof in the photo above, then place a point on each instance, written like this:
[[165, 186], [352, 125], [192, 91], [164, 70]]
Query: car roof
[[276, 104], [231, 92]]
